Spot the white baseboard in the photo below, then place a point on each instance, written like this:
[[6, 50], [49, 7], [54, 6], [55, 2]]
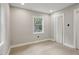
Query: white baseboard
[[18, 45], [52, 39], [68, 45]]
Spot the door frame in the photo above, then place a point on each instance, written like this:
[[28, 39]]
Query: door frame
[[58, 14], [74, 27]]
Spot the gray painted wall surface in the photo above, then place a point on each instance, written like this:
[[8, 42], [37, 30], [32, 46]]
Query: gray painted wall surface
[[22, 26], [68, 19]]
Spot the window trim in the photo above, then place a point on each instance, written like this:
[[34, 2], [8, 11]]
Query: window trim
[[42, 25]]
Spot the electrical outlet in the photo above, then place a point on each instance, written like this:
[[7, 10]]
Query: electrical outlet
[[37, 36]]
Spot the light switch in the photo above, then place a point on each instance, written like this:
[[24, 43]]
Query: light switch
[[68, 25]]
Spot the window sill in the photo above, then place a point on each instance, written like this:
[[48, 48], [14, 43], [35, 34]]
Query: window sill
[[38, 32]]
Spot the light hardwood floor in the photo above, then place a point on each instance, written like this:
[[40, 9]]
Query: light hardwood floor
[[44, 48]]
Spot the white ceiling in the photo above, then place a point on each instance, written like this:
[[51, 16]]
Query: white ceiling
[[42, 7]]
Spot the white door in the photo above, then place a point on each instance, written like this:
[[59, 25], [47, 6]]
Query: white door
[[76, 20], [77, 30], [59, 28]]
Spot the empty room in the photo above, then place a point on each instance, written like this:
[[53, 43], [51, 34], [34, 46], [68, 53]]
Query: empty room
[[39, 29]]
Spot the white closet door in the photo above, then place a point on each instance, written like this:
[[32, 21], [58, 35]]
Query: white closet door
[[59, 28], [56, 29], [77, 30]]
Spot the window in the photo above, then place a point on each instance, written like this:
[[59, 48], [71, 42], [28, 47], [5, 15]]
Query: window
[[38, 24]]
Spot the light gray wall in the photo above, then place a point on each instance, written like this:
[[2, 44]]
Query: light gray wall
[[5, 28], [68, 19], [22, 26], [0, 23]]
